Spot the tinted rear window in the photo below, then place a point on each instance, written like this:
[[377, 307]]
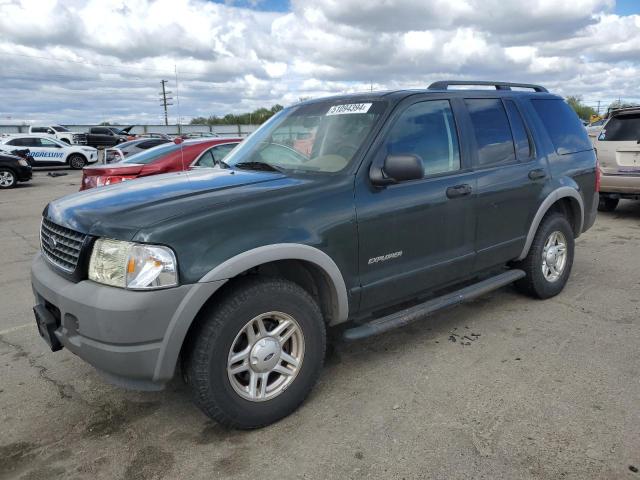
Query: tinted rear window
[[623, 128], [152, 154], [563, 126]]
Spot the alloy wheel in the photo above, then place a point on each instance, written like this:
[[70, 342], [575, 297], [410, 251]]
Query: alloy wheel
[[554, 256], [266, 356]]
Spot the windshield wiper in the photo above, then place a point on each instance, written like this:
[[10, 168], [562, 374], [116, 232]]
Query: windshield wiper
[[264, 166]]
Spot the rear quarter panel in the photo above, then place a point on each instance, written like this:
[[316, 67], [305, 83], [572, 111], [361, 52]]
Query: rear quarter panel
[[575, 170]]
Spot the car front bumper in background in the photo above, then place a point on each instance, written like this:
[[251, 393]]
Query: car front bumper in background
[[120, 332], [24, 174]]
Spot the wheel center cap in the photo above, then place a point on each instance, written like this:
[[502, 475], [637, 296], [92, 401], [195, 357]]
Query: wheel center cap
[[265, 355], [552, 256]]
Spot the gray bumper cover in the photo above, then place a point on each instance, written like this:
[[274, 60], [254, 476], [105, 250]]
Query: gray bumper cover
[[133, 337]]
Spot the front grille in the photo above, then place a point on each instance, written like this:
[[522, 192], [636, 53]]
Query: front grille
[[80, 138], [60, 245]]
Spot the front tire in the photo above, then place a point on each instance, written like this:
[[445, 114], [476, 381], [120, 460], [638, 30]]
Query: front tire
[[77, 162], [607, 204], [257, 353], [550, 258], [7, 178]]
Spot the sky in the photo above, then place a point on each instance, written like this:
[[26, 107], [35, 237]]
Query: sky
[[88, 61]]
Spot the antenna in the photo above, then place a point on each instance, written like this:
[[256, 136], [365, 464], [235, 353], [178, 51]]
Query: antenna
[[165, 100], [178, 98]]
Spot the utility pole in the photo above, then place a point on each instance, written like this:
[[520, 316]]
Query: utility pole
[[165, 100], [598, 107]]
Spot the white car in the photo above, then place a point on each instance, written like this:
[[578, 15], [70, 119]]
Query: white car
[[59, 132], [48, 151]]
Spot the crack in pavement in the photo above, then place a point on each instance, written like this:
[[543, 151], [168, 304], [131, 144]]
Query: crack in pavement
[[65, 391], [26, 240]]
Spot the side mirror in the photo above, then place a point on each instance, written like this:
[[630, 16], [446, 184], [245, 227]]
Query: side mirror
[[398, 168]]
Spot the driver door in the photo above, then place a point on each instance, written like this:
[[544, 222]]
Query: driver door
[[419, 234]]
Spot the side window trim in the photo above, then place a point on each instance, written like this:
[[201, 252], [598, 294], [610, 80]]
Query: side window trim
[[527, 129]]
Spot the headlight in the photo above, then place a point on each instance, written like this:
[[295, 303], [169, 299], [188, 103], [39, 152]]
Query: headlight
[[23, 162], [132, 265]]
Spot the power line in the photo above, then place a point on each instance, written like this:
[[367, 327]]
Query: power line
[[165, 99]]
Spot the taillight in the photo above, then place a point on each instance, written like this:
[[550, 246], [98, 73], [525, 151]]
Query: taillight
[[598, 175], [104, 180]]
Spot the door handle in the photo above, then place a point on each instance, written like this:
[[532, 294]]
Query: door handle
[[537, 174], [459, 191]]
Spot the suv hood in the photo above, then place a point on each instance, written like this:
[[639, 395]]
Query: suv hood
[[120, 210]]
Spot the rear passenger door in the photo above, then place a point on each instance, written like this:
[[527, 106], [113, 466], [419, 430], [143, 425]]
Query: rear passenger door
[[510, 176]]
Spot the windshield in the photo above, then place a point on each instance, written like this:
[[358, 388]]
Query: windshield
[[317, 137], [148, 156], [117, 131], [58, 128]]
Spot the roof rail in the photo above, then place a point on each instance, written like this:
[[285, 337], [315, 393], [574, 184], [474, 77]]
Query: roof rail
[[444, 85]]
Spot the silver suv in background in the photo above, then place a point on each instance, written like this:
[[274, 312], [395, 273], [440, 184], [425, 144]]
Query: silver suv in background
[[619, 155]]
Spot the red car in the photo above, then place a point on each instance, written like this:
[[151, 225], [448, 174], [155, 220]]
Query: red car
[[165, 158]]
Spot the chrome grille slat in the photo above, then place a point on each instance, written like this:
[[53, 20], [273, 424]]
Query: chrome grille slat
[[64, 250], [76, 245]]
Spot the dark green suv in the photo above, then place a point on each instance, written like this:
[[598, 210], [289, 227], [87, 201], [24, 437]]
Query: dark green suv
[[374, 209]]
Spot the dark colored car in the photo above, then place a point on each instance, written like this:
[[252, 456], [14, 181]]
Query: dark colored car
[[132, 147], [13, 169], [396, 205], [165, 158], [106, 137]]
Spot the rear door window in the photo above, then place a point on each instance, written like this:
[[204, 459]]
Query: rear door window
[[622, 128], [492, 131], [563, 125], [25, 142]]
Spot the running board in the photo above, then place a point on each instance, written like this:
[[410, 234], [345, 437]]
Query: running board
[[404, 317]]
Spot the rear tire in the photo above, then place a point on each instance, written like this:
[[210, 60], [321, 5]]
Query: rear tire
[[607, 204], [550, 258], [7, 178], [77, 161], [234, 399]]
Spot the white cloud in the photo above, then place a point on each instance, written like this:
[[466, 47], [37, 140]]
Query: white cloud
[[114, 54]]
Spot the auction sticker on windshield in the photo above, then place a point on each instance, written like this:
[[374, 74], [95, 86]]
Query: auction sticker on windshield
[[349, 108]]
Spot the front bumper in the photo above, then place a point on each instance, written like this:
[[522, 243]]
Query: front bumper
[[24, 174], [119, 332]]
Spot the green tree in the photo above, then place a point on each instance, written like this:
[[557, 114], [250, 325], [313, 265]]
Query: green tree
[[258, 116], [584, 111]]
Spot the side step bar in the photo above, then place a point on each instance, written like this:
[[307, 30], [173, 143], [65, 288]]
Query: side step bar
[[404, 317]]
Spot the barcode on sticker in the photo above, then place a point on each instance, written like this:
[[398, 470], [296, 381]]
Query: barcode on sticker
[[349, 108]]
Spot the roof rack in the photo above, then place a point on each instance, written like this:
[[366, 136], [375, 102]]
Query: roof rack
[[444, 85]]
